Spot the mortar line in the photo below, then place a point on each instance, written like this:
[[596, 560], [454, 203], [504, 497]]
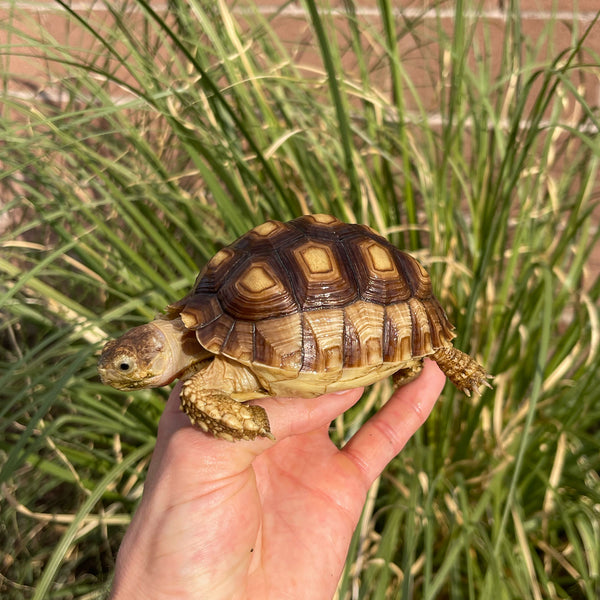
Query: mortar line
[[297, 11]]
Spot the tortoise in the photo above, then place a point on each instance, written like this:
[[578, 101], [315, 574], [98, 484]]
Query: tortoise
[[294, 309]]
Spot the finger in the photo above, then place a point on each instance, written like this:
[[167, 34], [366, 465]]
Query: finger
[[173, 418], [383, 436]]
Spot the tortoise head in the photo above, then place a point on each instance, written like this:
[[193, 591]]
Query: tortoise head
[[150, 355]]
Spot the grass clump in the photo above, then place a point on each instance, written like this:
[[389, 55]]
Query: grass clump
[[165, 135]]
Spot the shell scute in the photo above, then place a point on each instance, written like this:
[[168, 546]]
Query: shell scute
[[421, 329], [198, 310], [363, 334], [442, 331], [415, 275], [216, 332], [318, 227], [257, 289], [239, 343], [278, 343], [379, 279], [319, 275], [263, 238], [322, 341], [215, 270]]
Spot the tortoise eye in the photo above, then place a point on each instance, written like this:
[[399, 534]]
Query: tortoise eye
[[125, 364]]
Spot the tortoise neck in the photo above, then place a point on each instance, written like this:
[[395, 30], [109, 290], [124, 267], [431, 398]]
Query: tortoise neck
[[185, 348]]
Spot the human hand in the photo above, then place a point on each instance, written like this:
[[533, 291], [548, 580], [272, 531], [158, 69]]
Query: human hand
[[261, 519]]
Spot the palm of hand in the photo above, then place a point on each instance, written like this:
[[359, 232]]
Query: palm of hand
[[261, 519]]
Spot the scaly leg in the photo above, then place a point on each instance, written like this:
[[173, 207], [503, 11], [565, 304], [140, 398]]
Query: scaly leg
[[462, 370], [206, 397]]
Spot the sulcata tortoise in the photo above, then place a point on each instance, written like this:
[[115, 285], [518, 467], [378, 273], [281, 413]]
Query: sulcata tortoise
[[299, 309]]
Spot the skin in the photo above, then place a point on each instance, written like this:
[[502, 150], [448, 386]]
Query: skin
[[262, 519], [151, 355]]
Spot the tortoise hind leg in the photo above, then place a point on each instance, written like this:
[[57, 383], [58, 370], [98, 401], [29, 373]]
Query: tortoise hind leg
[[407, 373], [462, 370]]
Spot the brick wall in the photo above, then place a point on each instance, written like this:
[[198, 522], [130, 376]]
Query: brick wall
[[421, 59]]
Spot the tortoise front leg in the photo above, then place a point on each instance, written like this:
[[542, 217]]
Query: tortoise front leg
[[217, 413], [206, 397]]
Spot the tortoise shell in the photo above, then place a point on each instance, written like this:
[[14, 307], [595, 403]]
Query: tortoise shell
[[315, 300]]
